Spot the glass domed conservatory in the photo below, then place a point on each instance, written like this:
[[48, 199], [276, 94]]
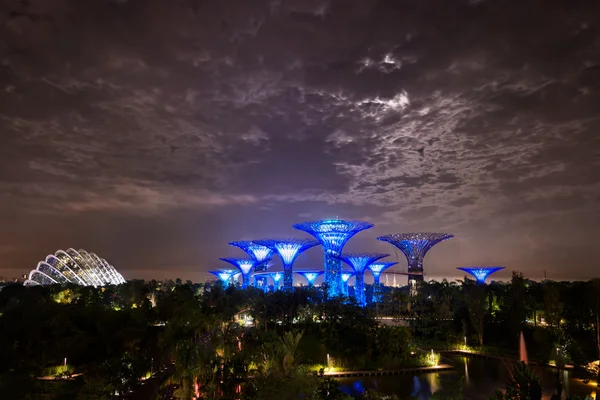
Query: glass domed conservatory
[[74, 266]]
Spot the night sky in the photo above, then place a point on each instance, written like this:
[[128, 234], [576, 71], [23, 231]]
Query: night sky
[[154, 132]]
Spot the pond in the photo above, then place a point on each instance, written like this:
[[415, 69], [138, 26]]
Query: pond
[[481, 376]]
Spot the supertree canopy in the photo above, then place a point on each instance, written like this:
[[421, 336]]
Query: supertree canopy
[[224, 275], [414, 246], [276, 276], [310, 276], [359, 262], [262, 254], [245, 266], [376, 270], [288, 250], [333, 235], [345, 278], [481, 273]]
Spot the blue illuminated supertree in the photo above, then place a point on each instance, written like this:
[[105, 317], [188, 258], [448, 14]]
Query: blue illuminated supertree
[[345, 278], [276, 276], [414, 246], [261, 280], [261, 254], [288, 250], [245, 266], [376, 270], [359, 262], [481, 273], [310, 276], [333, 235], [224, 275]]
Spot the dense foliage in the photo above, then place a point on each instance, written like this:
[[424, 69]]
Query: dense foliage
[[192, 341]]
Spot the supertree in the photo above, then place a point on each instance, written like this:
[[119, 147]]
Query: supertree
[[333, 235], [245, 266], [288, 250], [481, 273], [345, 278], [310, 276], [261, 254], [376, 270], [276, 276], [359, 262], [261, 280], [224, 275], [414, 246]]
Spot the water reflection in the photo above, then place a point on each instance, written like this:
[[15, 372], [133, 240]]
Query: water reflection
[[481, 378]]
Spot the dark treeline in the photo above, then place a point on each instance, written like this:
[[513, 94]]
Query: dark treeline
[[192, 341], [558, 319]]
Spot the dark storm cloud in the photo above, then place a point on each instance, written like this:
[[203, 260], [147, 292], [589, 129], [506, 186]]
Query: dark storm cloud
[[477, 117]]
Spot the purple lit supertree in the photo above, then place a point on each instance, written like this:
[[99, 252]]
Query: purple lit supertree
[[414, 246], [481, 273], [345, 278], [245, 266], [359, 262], [376, 270], [288, 250], [224, 276], [333, 235], [310, 276]]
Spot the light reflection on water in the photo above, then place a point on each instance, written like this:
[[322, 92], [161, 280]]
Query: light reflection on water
[[481, 378]]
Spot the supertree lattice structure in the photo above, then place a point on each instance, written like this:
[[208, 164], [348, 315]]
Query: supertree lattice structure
[[310, 276], [376, 270], [481, 273], [288, 250], [245, 266], [414, 246], [333, 235], [224, 275], [276, 276], [262, 254], [359, 262], [345, 278]]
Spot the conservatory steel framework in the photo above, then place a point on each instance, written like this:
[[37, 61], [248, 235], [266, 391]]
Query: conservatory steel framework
[[74, 266]]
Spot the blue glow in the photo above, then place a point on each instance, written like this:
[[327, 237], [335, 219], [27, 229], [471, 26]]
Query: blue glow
[[288, 250], [345, 278], [378, 268], [261, 282], [310, 276], [481, 273], [359, 262], [224, 275], [276, 276], [257, 251], [333, 235], [245, 266]]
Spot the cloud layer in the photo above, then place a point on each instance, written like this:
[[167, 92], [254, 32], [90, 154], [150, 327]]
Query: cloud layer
[[474, 117]]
